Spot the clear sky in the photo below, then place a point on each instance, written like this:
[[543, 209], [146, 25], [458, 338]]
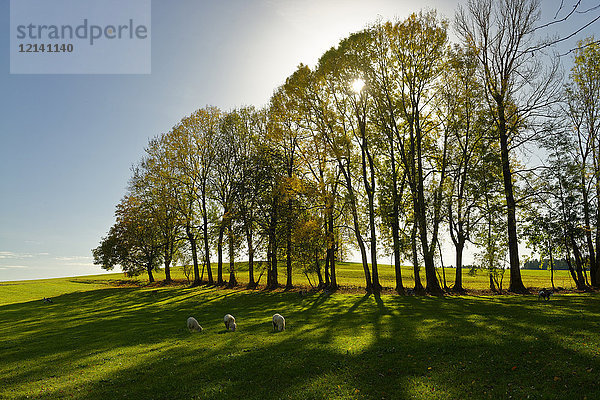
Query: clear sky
[[67, 141]]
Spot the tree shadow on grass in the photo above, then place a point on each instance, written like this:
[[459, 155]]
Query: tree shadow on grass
[[124, 343]]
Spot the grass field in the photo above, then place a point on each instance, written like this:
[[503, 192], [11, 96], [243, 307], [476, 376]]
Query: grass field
[[352, 275], [99, 341]]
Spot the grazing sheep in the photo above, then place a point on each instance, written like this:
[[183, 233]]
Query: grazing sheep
[[278, 322], [230, 322], [545, 294], [193, 325]]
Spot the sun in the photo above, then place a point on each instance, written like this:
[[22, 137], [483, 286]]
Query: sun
[[357, 85]]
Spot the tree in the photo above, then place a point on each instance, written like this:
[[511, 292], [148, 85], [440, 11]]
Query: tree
[[286, 133], [332, 84], [357, 60], [319, 171], [133, 242], [253, 180], [227, 175], [267, 179], [204, 129], [541, 232], [519, 90], [382, 77], [187, 158], [563, 200], [309, 247], [492, 240], [583, 112], [462, 115], [418, 46], [153, 184]]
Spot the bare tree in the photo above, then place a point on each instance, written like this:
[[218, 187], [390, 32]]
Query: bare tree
[[519, 87]]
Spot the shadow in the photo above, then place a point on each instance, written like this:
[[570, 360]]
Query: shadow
[[134, 343]]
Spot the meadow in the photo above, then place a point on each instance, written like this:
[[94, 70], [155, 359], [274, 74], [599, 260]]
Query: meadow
[[351, 276], [105, 337]]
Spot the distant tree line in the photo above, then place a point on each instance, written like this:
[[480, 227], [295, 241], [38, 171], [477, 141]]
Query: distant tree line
[[559, 264], [395, 140]]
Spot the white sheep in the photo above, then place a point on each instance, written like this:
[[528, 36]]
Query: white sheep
[[278, 322], [193, 325], [230, 322]]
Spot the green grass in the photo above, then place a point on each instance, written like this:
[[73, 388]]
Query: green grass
[[98, 341], [351, 274]]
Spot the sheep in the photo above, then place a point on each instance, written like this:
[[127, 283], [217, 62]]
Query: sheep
[[193, 325], [278, 322], [545, 294], [230, 322]]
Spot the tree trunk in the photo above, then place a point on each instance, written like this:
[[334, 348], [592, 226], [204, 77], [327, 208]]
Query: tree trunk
[[207, 255], [570, 265], [288, 249], [459, 245], [356, 224], [232, 279], [595, 266], [273, 244], [443, 267], [588, 231], [327, 282], [578, 265], [331, 250], [418, 285], [149, 270], [327, 254], [596, 271], [168, 256], [333, 285], [318, 269], [192, 240], [552, 270], [361, 243], [167, 270], [368, 175], [397, 262], [220, 256], [433, 285], [492, 284], [251, 283], [274, 281], [374, 269], [269, 256], [205, 237], [516, 283], [363, 253], [395, 218]]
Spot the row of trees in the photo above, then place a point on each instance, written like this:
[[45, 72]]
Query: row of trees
[[396, 138]]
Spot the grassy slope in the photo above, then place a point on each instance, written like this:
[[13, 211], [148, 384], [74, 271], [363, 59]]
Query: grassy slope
[[351, 274], [102, 342]]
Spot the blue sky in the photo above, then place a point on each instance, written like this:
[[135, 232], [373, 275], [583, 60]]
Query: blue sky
[[67, 141]]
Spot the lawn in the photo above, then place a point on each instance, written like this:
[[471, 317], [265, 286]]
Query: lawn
[[98, 341], [352, 275]]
